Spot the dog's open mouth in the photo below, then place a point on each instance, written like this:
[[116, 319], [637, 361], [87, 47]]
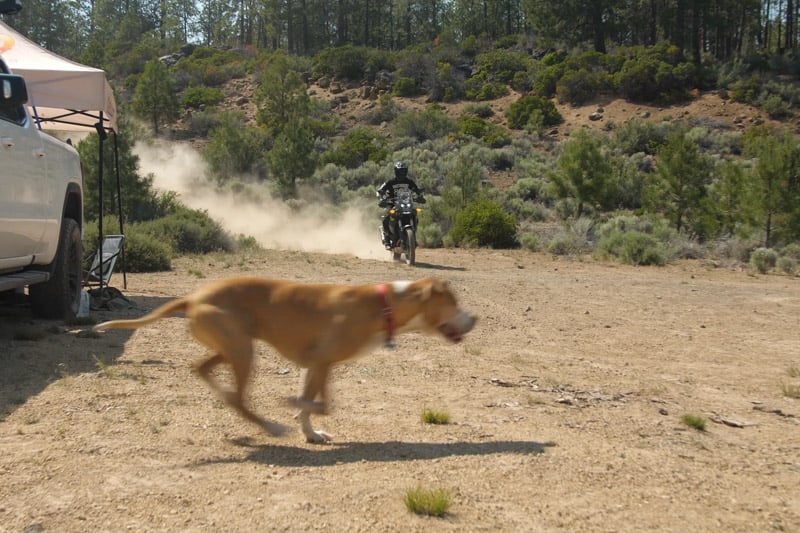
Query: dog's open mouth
[[452, 333]]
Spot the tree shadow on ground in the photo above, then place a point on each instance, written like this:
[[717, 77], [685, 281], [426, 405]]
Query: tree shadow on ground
[[353, 452]]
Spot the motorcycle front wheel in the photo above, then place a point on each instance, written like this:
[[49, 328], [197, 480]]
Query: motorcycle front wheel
[[411, 250]]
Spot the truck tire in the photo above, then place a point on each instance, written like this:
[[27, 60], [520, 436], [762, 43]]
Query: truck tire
[[60, 296]]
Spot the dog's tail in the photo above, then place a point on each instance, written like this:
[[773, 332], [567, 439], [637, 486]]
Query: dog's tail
[[169, 308]]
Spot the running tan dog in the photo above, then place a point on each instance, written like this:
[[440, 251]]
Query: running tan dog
[[315, 326]]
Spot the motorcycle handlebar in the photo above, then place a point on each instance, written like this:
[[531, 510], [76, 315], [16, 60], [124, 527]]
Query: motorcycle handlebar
[[386, 201]]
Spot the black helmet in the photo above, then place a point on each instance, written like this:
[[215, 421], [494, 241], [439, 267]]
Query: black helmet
[[400, 169]]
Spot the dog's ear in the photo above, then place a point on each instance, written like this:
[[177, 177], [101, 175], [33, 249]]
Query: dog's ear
[[420, 290], [425, 288], [441, 285]]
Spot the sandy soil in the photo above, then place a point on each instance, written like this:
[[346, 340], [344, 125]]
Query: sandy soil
[[565, 404]]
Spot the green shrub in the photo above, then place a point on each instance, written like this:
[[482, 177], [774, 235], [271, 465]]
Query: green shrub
[[431, 502], [762, 260], [519, 113], [746, 90], [525, 209], [430, 124], [246, 243], [547, 80], [448, 85], [791, 250], [379, 60], [358, 146], [198, 96], [189, 231], [694, 421], [787, 265], [343, 62], [735, 248], [655, 75], [430, 235], [634, 248], [566, 244], [234, 149], [484, 223], [472, 126], [478, 110], [492, 134], [405, 87], [501, 65], [386, 111], [638, 135], [145, 253], [531, 242], [775, 107], [209, 67], [142, 253], [576, 87], [638, 240], [574, 238], [201, 123], [435, 416], [479, 88]]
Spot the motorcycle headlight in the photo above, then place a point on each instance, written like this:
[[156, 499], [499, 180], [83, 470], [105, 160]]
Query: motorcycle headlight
[[392, 211]]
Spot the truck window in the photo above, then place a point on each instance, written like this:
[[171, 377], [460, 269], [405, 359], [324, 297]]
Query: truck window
[[14, 114]]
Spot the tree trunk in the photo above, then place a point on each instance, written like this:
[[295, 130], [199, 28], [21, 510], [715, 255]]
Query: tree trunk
[[697, 44], [598, 28]]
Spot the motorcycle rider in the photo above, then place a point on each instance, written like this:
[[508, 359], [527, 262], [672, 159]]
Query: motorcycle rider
[[388, 192]]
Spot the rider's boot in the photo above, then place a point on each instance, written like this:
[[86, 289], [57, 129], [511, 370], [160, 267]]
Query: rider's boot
[[385, 239]]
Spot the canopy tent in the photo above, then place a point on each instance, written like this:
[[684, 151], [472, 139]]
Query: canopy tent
[[65, 96]]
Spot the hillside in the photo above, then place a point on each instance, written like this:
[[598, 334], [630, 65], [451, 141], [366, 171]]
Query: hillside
[[351, 104]]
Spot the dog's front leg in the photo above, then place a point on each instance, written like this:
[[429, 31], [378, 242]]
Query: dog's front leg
[[314, 386]]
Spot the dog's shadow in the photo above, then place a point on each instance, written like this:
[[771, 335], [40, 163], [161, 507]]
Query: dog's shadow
[[353, 452]]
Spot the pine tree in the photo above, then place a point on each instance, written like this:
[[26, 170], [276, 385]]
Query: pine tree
[[155, 99], [680, 184], [584, 173]]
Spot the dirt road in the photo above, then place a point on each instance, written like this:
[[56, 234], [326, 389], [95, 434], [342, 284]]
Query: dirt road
[[565, 403]]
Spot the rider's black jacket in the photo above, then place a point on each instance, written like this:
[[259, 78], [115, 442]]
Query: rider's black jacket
[[390, 188]]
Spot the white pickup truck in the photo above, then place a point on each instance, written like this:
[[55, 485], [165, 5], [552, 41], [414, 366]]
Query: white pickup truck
[[41, 209]]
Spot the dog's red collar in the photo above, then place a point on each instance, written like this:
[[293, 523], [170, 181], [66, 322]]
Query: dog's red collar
[[388, 316]]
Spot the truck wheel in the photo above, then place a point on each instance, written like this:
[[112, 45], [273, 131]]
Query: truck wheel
[[60, 296]]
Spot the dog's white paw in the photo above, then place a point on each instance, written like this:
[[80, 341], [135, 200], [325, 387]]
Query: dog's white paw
[[318, 437]]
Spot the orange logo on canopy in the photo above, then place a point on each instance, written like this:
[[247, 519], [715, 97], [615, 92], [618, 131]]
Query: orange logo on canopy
[[6, 43]]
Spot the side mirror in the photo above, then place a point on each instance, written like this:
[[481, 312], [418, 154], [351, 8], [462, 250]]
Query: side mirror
[[13, 92]]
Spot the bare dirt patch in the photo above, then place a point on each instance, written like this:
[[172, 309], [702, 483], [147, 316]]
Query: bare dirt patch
[[565, 406]]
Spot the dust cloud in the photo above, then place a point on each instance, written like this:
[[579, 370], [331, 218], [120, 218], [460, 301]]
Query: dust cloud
[[273, 223]]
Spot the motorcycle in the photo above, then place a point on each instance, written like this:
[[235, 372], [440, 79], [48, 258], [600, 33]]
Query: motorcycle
[[403, 224]]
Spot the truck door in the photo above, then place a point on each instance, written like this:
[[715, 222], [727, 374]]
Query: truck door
[[24, 193]]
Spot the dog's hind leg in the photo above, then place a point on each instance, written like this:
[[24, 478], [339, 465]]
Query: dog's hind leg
[[239, 353], [242, 366], [314, 385]]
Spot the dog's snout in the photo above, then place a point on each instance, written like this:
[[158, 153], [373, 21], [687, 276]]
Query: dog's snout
[[471, 320], [465, 321]]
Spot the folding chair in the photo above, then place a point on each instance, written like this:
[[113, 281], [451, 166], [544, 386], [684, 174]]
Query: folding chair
[[104, 261]]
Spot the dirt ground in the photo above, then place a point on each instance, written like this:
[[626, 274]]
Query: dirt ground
[[566, 407]]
